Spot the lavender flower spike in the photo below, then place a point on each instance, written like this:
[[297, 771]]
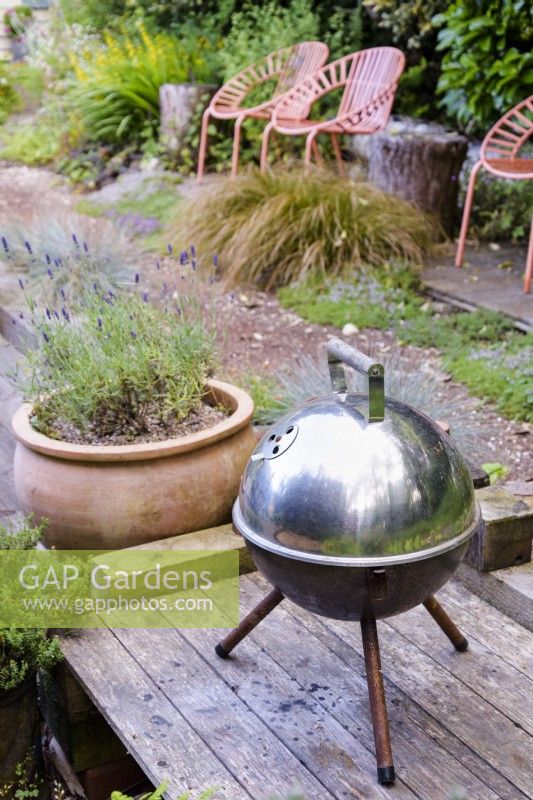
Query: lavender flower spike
[[21, 283], [5, 244], [27, 245], [75, 240], [137, 277]]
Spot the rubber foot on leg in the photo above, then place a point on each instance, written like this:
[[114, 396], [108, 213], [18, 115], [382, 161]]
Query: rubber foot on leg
[[386, 775], [462, 645], [219, 650]]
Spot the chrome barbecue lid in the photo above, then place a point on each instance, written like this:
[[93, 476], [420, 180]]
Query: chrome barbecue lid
[[354, 480]]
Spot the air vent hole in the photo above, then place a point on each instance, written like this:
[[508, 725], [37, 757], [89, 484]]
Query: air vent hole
[[271, 438], [278, 438], [276, 450], [290, 430]]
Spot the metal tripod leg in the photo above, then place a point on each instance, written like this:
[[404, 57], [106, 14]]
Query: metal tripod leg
[[262, 610], [446, 624], [378, 707]]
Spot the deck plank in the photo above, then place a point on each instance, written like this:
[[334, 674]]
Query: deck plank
[[465, 715], [160, 739], [321, 662], [479, 619], [344, 764], [239, 739], [483, 671]]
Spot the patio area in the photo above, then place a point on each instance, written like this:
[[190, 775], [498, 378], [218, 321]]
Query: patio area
[[290, 708], [489, 278]]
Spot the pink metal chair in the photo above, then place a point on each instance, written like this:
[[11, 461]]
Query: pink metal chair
[[290, 65], [500, 155], [370, 78]]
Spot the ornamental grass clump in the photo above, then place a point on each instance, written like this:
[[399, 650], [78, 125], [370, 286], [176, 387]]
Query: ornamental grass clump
[[118, 366], [290, 224]]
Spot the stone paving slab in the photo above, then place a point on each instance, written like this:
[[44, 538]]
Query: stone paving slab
[[490, 279]]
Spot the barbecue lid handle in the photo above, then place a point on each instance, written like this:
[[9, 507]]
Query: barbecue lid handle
[[341, 354]]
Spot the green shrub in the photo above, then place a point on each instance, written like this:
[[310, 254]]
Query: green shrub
[[32, 143], [25, 537], [17, 20], [116, 88], [112, 366], [502, 209], [261, 28], [9, 98], [409, 26], [487, 65], [288, 224], [23, 652]]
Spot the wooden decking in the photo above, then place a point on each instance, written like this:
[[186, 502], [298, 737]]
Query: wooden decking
[[290, 709], [489, 279]]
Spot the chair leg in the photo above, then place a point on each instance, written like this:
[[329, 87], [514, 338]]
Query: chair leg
[[264, 147], [309, 142], [378, 707], [446, 624], [316, 152], [466, 214], [262, 610], [338, 155], [203, 146], [529, 263], [236, 146]]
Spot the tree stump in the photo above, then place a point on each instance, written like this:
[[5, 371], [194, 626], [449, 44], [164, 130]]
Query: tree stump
[[178, 104], [421, 165]]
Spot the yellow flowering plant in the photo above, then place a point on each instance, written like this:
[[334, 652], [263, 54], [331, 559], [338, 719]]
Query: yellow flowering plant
[[115, 88]]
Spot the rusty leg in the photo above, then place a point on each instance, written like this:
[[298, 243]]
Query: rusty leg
[[446, 624], [262, 610], [378, 708]]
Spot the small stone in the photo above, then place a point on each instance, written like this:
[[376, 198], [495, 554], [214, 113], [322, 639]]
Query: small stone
[[258, 336], [308, 330], [494, 246], [349, 329]]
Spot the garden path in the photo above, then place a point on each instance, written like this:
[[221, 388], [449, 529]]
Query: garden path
[[490, 278], [291, 706]]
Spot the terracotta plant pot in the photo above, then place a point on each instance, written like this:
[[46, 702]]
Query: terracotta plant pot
[[19, 729], [115, 496]]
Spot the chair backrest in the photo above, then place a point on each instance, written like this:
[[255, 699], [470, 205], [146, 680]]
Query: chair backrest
[[298, 61], [368, 77], [289, 64], [373, 74], [505, 139]]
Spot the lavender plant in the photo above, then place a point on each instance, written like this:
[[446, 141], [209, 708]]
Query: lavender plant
[[117, 365], [61, 253]]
